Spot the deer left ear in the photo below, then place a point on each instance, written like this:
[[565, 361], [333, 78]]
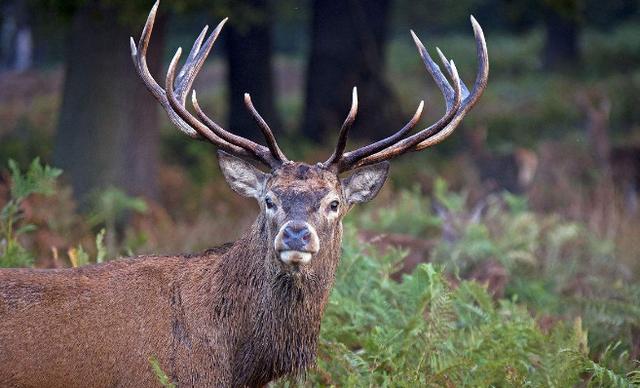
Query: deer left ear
[[365, 183], [243, 178]]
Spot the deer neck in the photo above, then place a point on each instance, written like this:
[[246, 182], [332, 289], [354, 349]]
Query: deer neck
[[276, 313]]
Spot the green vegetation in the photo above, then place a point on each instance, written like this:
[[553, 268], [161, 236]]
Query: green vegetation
[[422, 331], [439, 327], [109, 207], [38, 179], [164, 380]]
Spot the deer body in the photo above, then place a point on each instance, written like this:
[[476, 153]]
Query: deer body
[[240, 315], [216, 319]]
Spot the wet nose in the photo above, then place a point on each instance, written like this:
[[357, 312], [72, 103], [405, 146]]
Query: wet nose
[[296, 236]]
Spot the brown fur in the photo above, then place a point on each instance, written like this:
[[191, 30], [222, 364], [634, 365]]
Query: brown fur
[[233, 316]]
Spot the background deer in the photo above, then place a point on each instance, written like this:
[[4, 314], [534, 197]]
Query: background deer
[[242, 314]]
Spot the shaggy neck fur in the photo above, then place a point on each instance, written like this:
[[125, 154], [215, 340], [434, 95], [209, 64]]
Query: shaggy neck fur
[[269, 317]]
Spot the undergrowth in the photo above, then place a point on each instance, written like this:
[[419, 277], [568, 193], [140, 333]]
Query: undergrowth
[[426, 331], [38, 179]]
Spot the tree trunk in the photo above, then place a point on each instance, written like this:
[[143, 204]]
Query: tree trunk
[[108, 127], [16, 40], [249, 60], [561, 47], [347, 49]]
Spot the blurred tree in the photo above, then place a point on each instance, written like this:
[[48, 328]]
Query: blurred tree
[[249, 59], [443, 15], [108, 131], [16, 42], [347, 49], [610, 13], [562, 24]]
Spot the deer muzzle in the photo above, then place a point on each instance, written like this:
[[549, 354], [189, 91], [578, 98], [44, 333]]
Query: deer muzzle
[[296, 243]]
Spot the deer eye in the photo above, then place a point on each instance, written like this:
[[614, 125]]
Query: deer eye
[[269, 202], [334, 205]]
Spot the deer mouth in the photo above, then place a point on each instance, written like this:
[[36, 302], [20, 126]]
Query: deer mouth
[[295, 258]]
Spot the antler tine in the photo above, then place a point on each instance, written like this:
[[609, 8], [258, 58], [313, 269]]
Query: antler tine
[[344, 131], [206, 132], [182, 80], [211, 130], [266, 130], [359, 158], [457, 106], [258, 150], [483, 64], [479, 86], [195, 60], [434, 70], [139, 56], [173, 96], [189, 71], [378, 146], [447, 65]]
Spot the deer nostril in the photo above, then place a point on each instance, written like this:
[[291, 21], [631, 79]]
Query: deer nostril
[[296, 236]]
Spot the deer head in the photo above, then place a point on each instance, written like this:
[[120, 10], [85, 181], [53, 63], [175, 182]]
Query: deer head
[[303, 204]]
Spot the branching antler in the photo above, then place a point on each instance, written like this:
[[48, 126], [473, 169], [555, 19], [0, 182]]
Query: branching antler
[[458, 101], [173, 97], [177, 87]]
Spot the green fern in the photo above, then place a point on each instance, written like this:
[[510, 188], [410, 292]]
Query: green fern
[[38, 179], [422, 332]]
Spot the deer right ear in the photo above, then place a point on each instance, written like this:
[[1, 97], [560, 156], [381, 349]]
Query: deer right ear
[[242, 177]]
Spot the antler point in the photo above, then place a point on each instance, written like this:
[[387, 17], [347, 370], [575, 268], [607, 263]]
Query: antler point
[[476, 26], [154, 9], [134, 49], [418, 44]]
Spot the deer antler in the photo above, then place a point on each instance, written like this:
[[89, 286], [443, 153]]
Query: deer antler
[[458, 101], [173, 98]]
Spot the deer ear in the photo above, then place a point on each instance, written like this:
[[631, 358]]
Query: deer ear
[[363, 185], [243, 178]]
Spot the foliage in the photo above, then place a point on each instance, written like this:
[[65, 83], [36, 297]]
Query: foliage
[[38, 179], [558, 268], [109, 208], [552, 265], [79, 257], [410, 205], [163, 379], [424, 331]]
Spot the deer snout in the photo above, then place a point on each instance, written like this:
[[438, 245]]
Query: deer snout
[[296, 236], [296, 242]]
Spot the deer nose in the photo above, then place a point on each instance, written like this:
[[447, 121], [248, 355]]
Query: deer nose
[[296, 235]]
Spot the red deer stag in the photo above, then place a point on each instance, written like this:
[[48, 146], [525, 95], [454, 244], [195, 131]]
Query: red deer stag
[[239, 315]]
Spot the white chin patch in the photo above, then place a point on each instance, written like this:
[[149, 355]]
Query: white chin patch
[[295, 257]]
